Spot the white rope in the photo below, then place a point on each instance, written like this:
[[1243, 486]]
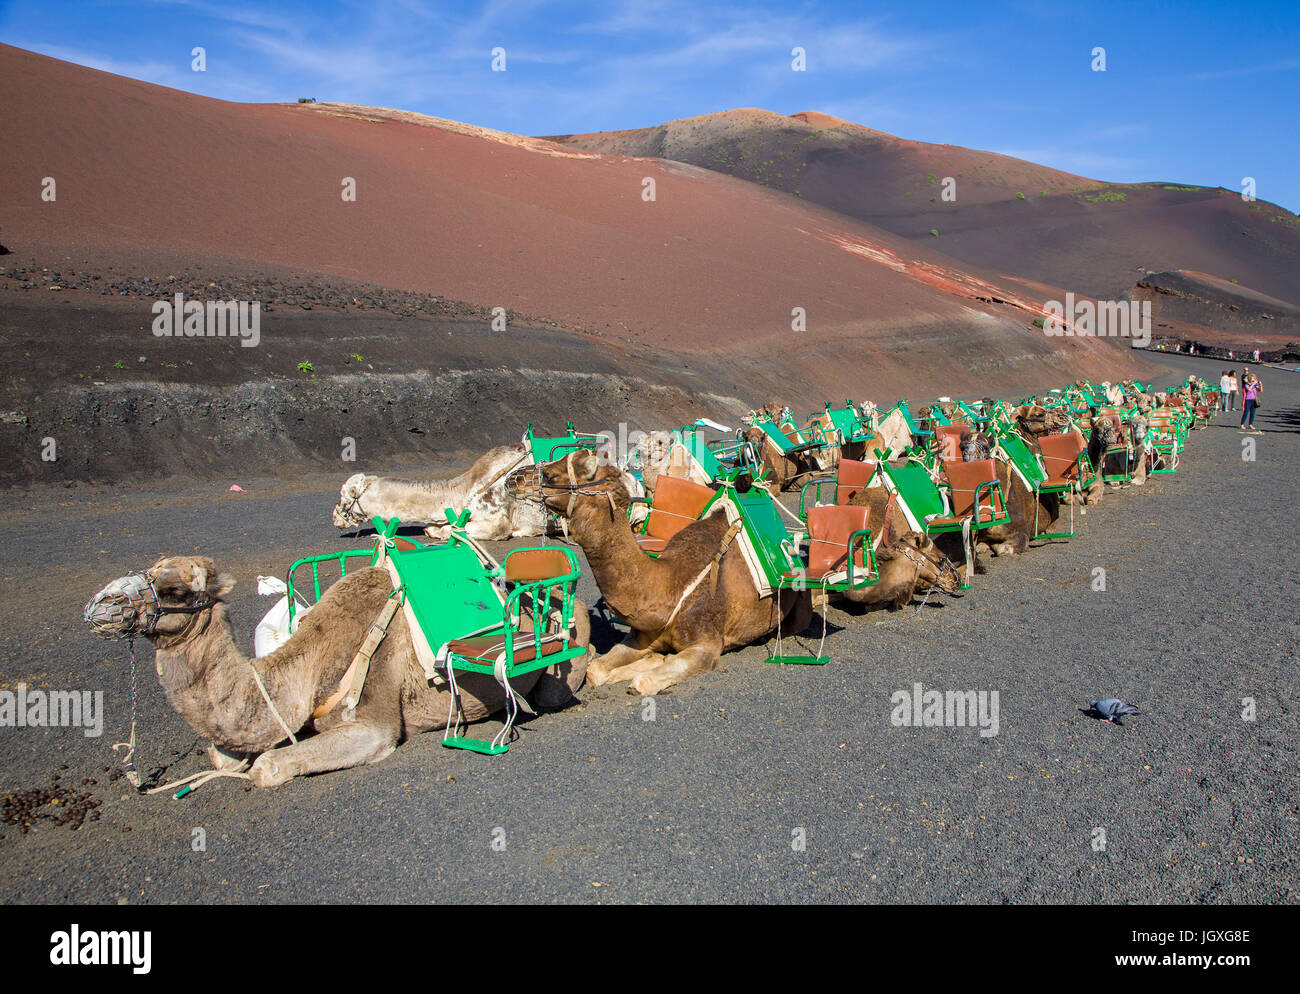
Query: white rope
[[781, 507], [199, 780], [267, 697], [512, 706]]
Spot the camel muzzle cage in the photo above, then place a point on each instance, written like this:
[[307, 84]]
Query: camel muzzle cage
[[942, 568], [525, 483], [129, 608]]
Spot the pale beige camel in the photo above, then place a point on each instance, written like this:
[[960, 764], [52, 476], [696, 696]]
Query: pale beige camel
[[685, 608], [481, 488], [214, 687], [894, 433]]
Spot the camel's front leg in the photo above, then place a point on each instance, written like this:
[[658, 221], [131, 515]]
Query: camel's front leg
[[631, 671], [677, 668], [353, 743], [621, 655]]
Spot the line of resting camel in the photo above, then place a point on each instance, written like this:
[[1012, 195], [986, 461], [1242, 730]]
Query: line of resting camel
[[676, 632]]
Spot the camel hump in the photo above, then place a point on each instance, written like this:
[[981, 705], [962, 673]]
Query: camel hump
[[699, 541]]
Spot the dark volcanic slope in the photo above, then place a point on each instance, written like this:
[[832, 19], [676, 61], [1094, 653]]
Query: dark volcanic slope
[[1225, 313], [1011, 215], [1099, 242]]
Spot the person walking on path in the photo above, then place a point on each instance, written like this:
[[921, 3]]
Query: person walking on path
[[1225, 385], [1232, 391], [1250, 388]]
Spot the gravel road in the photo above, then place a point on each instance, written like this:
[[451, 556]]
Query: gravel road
[[753, 783]]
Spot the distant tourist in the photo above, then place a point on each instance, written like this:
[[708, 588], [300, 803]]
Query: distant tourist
[[1232, 391], [1225, 390], [1250, 388], [1257, 355]]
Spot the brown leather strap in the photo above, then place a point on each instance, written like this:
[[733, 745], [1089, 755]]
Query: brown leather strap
[[354, 678]]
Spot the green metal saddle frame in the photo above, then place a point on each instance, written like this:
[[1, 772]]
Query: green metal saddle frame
[[1026, 462], [548, 449], [456, 593]]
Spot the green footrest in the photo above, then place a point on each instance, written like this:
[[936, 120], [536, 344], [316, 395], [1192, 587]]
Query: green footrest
[[799, 660], [474, 745]]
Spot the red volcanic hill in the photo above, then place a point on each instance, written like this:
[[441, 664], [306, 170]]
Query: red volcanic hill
[[711, 263], [1010, 215], [844, 166]]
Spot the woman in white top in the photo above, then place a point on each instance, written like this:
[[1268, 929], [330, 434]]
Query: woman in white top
[[1232, 391], [1225, 383]]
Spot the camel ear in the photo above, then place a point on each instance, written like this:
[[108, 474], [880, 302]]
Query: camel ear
[[222, 585]]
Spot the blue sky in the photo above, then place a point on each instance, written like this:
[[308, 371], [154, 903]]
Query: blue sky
[[1192, 92]]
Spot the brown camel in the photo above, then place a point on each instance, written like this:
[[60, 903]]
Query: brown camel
[[789, 471], [1033, 421], [685, 608], [1013, 537], [909, 562], [214, 688]]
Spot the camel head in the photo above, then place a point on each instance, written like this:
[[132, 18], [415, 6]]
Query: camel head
[[162, 600], [1038, 420], [347, 512], [578, 479], [1138, 428], [656, 449], [1104, 433], [774, 410], [976, 445], [933, 568]]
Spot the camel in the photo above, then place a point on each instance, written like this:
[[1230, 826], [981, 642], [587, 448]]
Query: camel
[[686, 608], [782, 470], [894, 433], [1013, 537], [911, 563], [1034, 420], [1137, 427], [481, 488], [212, 685], [908, 561]]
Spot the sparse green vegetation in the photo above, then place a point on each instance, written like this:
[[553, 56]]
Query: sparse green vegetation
[[1020, 196], [120, 364], [306, 367], [1105, 197], [1040, 322], [934, 232], [357, 357]]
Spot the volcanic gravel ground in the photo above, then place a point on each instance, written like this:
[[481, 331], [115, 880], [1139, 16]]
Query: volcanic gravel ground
[[704, 802]]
